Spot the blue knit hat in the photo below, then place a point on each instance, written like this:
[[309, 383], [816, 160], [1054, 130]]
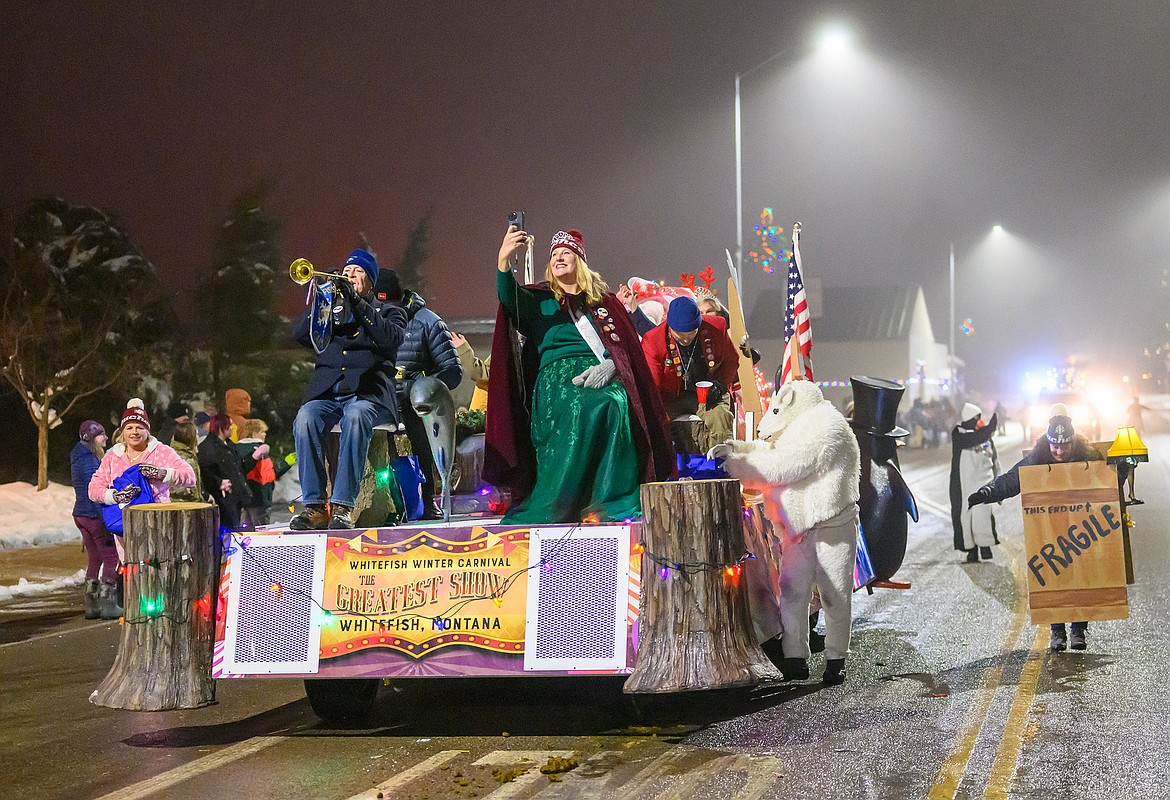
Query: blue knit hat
[[366, 261], [683, 315]]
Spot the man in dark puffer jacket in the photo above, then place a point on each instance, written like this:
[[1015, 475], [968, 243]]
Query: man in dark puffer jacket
[[426, 350]]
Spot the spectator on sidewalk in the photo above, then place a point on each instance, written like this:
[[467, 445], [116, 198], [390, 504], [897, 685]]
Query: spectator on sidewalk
[[260, 470], [162, 467], [102, 557], [185, 442], [222, 475]]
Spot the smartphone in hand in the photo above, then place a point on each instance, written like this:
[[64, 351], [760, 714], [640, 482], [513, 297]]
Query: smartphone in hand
[[516, 218]]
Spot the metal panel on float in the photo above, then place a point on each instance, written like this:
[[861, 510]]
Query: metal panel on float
[[578, 591], [274, 594]]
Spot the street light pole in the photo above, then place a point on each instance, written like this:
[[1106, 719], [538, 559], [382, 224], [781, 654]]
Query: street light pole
[[952, 329], [833, 40], [738, 181]]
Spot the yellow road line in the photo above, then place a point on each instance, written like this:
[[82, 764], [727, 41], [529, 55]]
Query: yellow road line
[[1003, 769], [950, 774]]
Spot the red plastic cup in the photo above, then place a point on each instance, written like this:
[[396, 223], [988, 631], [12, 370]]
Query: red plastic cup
[[701, 388]]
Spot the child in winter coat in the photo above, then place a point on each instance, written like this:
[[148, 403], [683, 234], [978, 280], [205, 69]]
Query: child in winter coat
[[259, 469]]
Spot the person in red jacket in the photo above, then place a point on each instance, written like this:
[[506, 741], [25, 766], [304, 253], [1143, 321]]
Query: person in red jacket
[[686, 349]]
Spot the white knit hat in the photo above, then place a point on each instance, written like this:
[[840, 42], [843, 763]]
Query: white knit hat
[[970, 411]]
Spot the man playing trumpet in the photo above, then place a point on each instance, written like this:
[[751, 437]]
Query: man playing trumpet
[[352, 384]]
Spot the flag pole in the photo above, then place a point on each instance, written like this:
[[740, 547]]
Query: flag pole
[[797, 356]]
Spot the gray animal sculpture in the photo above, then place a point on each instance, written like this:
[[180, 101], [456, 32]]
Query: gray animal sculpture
[[433, 403]]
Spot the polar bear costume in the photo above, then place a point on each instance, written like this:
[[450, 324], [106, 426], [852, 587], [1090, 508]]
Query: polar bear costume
[[807, 464]]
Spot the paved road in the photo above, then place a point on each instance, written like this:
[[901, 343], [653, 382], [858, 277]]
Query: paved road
[[951, 693]]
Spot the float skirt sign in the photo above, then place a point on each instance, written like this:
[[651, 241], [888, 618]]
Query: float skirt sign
[[1073, 543]]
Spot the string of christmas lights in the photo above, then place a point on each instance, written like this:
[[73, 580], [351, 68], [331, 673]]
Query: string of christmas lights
[[668, 566], [326, 615]]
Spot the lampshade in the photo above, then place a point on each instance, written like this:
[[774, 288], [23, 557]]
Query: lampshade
[[1128, 445]]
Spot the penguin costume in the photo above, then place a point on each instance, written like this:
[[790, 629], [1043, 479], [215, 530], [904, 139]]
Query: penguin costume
[[974, 463]]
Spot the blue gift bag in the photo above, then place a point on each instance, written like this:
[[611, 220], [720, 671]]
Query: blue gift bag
[[699, 467], [112, 515], [410, 481]]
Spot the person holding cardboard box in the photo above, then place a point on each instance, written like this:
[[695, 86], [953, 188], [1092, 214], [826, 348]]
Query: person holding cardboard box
[[1060, 444]]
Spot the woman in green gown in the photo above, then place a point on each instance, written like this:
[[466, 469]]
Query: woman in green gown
[[593, 439]]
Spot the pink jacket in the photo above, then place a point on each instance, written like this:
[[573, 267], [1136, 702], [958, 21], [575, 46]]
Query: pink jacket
[[115, 462]]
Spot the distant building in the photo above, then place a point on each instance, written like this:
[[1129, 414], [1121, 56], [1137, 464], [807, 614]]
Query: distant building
[[880, 331]]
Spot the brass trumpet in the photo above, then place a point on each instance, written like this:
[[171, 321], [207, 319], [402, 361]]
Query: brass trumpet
[[301, 271]]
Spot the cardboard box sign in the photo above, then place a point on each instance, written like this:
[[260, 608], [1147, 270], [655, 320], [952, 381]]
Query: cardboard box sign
[[1073, 546]]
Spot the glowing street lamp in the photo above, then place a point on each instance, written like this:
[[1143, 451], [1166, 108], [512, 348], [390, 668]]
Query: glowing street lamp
[[834, 41]]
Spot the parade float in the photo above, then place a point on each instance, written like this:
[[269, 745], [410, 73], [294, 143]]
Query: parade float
[[677, 601]]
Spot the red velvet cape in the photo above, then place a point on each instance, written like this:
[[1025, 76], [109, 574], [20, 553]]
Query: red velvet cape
[[509, 459]]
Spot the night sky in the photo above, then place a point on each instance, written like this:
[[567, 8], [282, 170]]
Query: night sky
[[1050, 118]]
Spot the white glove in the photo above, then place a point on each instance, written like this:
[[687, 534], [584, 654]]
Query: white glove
[[597, 376], [720, 451]]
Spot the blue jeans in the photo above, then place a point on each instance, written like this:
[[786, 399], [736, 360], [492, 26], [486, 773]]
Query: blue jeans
[[314, 421]]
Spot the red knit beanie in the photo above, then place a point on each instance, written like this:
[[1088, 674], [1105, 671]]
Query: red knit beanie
[[571, 239], [135, 412]]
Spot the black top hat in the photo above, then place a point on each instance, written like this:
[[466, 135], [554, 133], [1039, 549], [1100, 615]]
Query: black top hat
[[875, 406]]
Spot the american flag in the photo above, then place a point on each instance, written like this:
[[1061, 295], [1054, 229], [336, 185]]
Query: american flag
[[798, 358]]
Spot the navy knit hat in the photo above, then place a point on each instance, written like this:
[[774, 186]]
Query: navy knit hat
[[683, 315], [366, 261]]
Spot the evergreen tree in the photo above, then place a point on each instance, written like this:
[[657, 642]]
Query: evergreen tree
[[417, 251], [239, 314]]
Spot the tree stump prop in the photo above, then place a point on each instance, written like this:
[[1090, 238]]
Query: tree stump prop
[[375, 504], [689, 436], [168, 632], [695, 628]]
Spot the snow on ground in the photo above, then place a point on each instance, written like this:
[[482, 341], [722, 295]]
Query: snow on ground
[[23, 588], [36, 518]]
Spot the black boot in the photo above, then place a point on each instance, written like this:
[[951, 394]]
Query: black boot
[[93, 608], [794, 669], [773, 650], [973, 555], [834, 672], [985, 553]]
